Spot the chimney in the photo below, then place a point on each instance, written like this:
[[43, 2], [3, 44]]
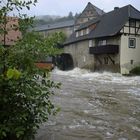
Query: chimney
[[116, 8]]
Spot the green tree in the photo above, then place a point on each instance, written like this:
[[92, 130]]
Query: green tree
[[24, 100], [70, 15], [76, 15]]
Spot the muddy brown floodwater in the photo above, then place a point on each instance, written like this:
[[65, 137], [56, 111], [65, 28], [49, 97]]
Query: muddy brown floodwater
[[94, 106]]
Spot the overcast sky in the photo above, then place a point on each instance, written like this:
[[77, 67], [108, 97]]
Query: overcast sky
[[63, 7]]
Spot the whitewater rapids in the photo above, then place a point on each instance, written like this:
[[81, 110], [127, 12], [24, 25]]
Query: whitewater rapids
[[94, 106]]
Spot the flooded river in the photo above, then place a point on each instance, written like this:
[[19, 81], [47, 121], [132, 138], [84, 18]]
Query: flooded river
[[94, 106]]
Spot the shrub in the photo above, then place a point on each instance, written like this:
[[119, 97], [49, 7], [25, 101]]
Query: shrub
[[135, 71], [24, 98]]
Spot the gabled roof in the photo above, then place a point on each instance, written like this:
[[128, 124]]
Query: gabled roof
[[111, 23], [55, 25], [91, 7]]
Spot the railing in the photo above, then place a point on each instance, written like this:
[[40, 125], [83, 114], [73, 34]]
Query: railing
[[106, 49]]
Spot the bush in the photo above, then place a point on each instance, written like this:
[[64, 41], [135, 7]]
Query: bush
[[24, 98], [135, 71], [24, 104]]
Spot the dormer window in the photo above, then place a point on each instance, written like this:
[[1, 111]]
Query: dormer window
[[87, 31], [77, 34], [90, 43], [81, 33]]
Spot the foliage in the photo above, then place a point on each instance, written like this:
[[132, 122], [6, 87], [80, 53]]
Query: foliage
[[70, 16], [135, 71], [24, 94]]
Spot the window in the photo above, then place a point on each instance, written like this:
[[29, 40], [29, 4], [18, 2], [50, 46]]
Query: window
[[102, 42], [82, 33], [132, 43], [81, 20], [131, 62], [90, 43], [87, 31], [132, 23], [77, 34]]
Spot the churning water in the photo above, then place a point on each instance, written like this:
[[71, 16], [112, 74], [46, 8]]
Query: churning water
[[94, 106]]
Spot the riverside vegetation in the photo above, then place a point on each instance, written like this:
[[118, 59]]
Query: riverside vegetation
[[24, 101]]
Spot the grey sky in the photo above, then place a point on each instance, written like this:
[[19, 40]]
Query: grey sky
[[62, 7]]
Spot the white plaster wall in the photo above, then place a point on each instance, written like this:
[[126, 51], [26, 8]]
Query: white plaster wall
[[126, 30], [127, 54]]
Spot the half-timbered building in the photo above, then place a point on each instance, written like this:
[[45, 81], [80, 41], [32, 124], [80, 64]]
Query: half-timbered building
[[108, 42]]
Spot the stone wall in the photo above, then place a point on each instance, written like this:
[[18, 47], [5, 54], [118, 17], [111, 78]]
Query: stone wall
[[80, 54]]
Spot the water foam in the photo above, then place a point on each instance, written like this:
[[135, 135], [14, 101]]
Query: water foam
[[74, 73], [102, 77]]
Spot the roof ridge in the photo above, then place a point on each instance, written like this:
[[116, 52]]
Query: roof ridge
[[54, 26], [119, 8]]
